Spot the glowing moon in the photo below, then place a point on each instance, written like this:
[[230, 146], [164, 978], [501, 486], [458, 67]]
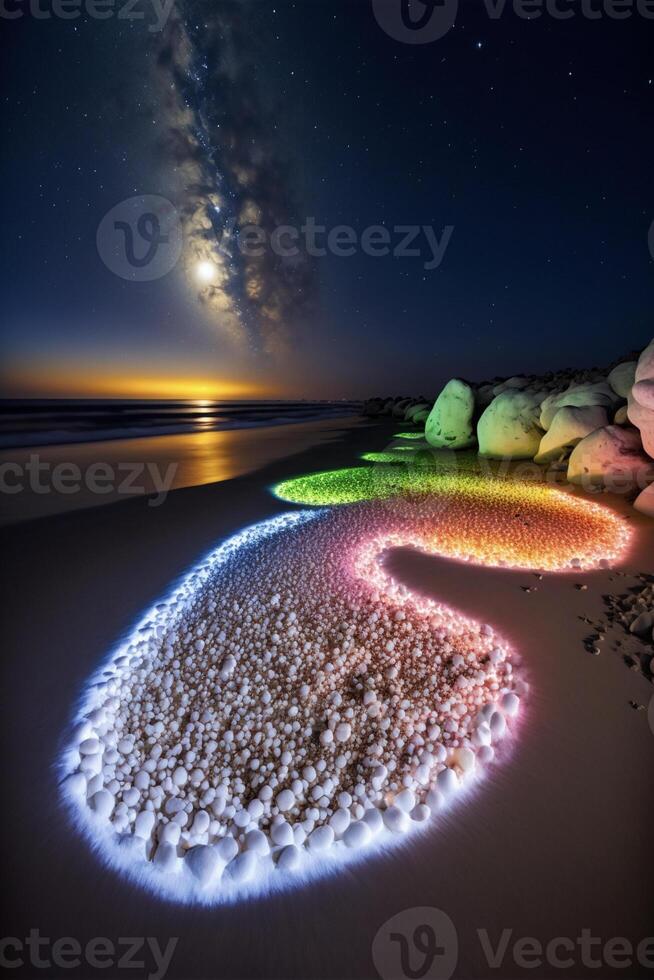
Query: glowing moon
[[205, 271]]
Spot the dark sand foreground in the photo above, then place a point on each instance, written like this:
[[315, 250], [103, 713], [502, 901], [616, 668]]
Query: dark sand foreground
[[558, 840]]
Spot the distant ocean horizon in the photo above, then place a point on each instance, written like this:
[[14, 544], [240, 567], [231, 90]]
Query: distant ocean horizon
[[59, 421]]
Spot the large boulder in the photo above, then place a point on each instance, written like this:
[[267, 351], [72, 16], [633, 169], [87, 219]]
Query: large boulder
[[569, 426], [612, 457], [597, 393], [449, 424], [641, 399], [509, 426], [622, 378], [644, 502]]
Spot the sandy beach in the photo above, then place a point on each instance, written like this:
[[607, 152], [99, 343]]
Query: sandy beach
[[555, 841]]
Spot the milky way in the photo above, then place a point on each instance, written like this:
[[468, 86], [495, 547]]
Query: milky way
[[225, 146]]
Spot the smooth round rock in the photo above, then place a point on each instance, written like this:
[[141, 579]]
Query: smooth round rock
[[447, 781], [75, 783], [289, 858], [497, 725], [405, 800], [285, 800], [320, 839], [357, 835], [282, 834], [102, 802], [90, 746], [510, 704], [374, 820], [339, 821], [396, 819], [144, 824], [243, 866], [226, 848], [203, 862], [434, 800], [420, 813], [256, 840]]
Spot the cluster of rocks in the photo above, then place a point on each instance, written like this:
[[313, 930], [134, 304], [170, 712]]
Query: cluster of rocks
[[401, 407], [597, 426], [628, 625]]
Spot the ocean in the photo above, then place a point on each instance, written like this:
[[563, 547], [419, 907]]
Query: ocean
[[47, 422]]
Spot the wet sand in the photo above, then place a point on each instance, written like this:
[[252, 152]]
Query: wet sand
[[143, 466], [557, 840]]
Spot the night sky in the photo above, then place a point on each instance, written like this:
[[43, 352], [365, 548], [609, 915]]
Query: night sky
[[532, 139]]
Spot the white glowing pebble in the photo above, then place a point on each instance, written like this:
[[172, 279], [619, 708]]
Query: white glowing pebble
[[396, 819], [481, 736], [91, 765], [102, 802], [486, 754], [497, 725], [226, 848], [420, 813], [255, 809], [339, 821], [180, 776], [289, 858], [343, 732], [285, 800], [75, 783], [203, 863], [90, 746], [447, 781], [434, 800], [405, 800], [510, 704], [165, 857], [357, 835], [170, 833], [465, 758], [374, 820], [320, 839], [201, 823], [144, 824], [256, 840], [131, 796], [282, 834], [243, 866], [142, 780], [242, 818], [125, 746]]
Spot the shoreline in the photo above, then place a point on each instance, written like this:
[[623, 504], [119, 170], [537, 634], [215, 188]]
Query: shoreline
[[582, 751]]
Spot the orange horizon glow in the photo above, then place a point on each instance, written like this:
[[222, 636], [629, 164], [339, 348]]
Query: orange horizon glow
[[85, 382]]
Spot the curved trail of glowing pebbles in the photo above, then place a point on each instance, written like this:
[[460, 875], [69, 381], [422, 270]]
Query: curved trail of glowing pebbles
[[296, 622], [494, 522]]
